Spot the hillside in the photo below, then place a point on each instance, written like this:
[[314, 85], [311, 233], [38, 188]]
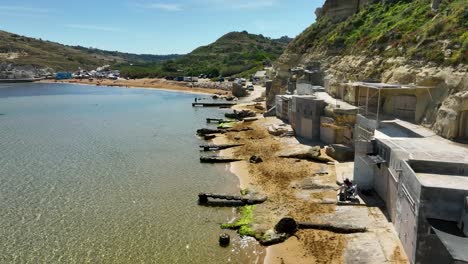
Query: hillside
[[236, 53], [403, 28], [23, 50], [401, 41]]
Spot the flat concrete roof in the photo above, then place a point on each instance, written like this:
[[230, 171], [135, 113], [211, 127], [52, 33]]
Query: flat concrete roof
[[387, 86], [422, 144], [337, 104]]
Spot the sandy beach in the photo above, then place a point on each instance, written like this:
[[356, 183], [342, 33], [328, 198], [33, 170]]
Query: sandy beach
[[160, 84], [283, 181]]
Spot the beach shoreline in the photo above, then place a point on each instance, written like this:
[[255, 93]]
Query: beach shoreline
[[292, 250], [147, 83]]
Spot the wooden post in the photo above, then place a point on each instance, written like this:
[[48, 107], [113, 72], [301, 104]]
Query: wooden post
[[367, 100], [378, 108]]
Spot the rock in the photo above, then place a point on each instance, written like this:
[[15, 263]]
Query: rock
[[340, 152], [224, 240], [259, 107], [300, 152], [276, 130], [209, 137], [238, 90], [271, 238], [237, 138], [239, 115], [255, 159], [286, 225]]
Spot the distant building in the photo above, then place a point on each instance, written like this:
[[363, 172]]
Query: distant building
[[260, 77], [63, 75]]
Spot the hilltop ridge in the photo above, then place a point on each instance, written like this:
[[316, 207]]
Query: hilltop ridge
[[37, 53], [235, 53]]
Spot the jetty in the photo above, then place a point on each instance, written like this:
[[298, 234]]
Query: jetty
[[23, 80], [248, 199], [213, 104], [218, 120], [214, 147], [217, 159]]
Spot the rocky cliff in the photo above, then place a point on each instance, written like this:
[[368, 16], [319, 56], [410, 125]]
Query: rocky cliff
[[419, 42]]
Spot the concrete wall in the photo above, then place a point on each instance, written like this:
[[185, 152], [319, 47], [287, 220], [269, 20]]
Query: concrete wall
[[443, 168], [408, 202], [304, 88], [332, 133], [364, 129], [364, 172], [442, 204], [306, 112], [463, 223]]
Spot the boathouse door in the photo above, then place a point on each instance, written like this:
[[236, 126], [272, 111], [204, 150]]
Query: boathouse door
[[405, 107], [463, 126]]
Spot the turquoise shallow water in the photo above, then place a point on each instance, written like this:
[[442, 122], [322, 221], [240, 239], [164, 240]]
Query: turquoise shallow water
[[108, 175]]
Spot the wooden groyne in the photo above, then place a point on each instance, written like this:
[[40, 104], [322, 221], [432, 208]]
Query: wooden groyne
[[213, 104], [248, 199], [215, 120], [217, 159], [214, 147]]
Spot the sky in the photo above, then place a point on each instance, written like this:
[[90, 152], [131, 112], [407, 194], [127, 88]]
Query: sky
[[153, 26]]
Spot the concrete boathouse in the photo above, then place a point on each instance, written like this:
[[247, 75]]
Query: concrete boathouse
[[421, 177]]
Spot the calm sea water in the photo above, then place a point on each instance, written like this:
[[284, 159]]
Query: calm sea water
[[108, 175]]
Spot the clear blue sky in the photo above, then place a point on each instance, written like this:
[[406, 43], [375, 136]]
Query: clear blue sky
[[153, 26]]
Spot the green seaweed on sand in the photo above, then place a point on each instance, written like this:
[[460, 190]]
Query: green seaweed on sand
[[244, 223]]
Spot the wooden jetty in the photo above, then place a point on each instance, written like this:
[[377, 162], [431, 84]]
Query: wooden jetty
[[24, 80], [248, 199], [215, 120], [217, 159], [209, 131], [250, 119], [214, 147], [213, 104]]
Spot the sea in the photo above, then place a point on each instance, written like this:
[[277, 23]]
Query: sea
[[92, 174]]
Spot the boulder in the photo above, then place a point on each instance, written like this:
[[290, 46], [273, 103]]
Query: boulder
[[340, 152], [304, 152], [255, 159], [286, 225], [276, 130]]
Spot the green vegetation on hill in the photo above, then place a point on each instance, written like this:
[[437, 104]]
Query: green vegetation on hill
[[30, 51], [236, 53], [407, 28]]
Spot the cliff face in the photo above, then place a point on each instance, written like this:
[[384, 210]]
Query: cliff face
[[393, 42], [339, 10]]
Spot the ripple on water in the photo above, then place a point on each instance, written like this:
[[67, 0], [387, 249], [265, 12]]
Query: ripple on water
[[84, 178]]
